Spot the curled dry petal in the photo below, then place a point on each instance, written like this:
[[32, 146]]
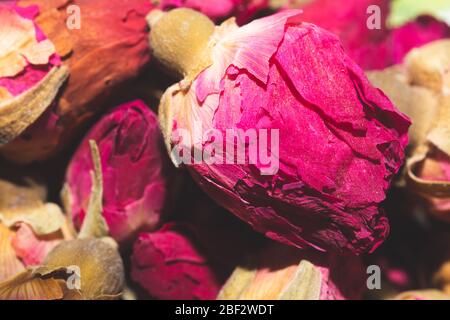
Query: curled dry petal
[[100, 265], [132, 173], [10, 265], [420, 89], [335, 141], [284, 274], [30, 77], [88, 269], [110, 49], [169, 265], [27, 286], [32, 248], [36, 227], [26, 204]]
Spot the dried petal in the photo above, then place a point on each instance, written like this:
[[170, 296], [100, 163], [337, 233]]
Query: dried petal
[[26, 286], [19, 44], [284, 274], [100, 265], [133, 173], [428, 66], [123, 48], [10, 265], [31, 248], [168, 264]]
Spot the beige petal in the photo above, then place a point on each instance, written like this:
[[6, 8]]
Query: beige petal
[[236, 284], [440, 135], [420, 104], [43, 218], [28, 286], [305, 285], [101, 268], [94, 225], [10, 265], [18, 44], [437, 189], [429, 66], [4, 94]]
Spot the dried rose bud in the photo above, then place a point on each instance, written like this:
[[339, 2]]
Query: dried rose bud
[[168, 265], [134, 180], [330, 143], [420, 89], [82, 269], [30, 71], [285, 274], [104, 50]]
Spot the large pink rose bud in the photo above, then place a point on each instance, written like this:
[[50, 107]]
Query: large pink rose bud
[[279, 126], [133, 167], [169, 265]]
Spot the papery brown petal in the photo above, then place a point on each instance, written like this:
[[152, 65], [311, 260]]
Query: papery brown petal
[[94, 224], [10, 265], [26, 286], [18, 113]]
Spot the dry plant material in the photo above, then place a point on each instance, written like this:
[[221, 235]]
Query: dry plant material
[[420, 88], [134, 180], [281, 273], [107, 50], [284, 76]]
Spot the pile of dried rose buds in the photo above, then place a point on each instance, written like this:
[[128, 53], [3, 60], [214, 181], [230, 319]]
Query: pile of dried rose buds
[[226, 149]]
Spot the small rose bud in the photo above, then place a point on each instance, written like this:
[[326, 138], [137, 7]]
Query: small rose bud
[[169, 266], [135, 177]]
